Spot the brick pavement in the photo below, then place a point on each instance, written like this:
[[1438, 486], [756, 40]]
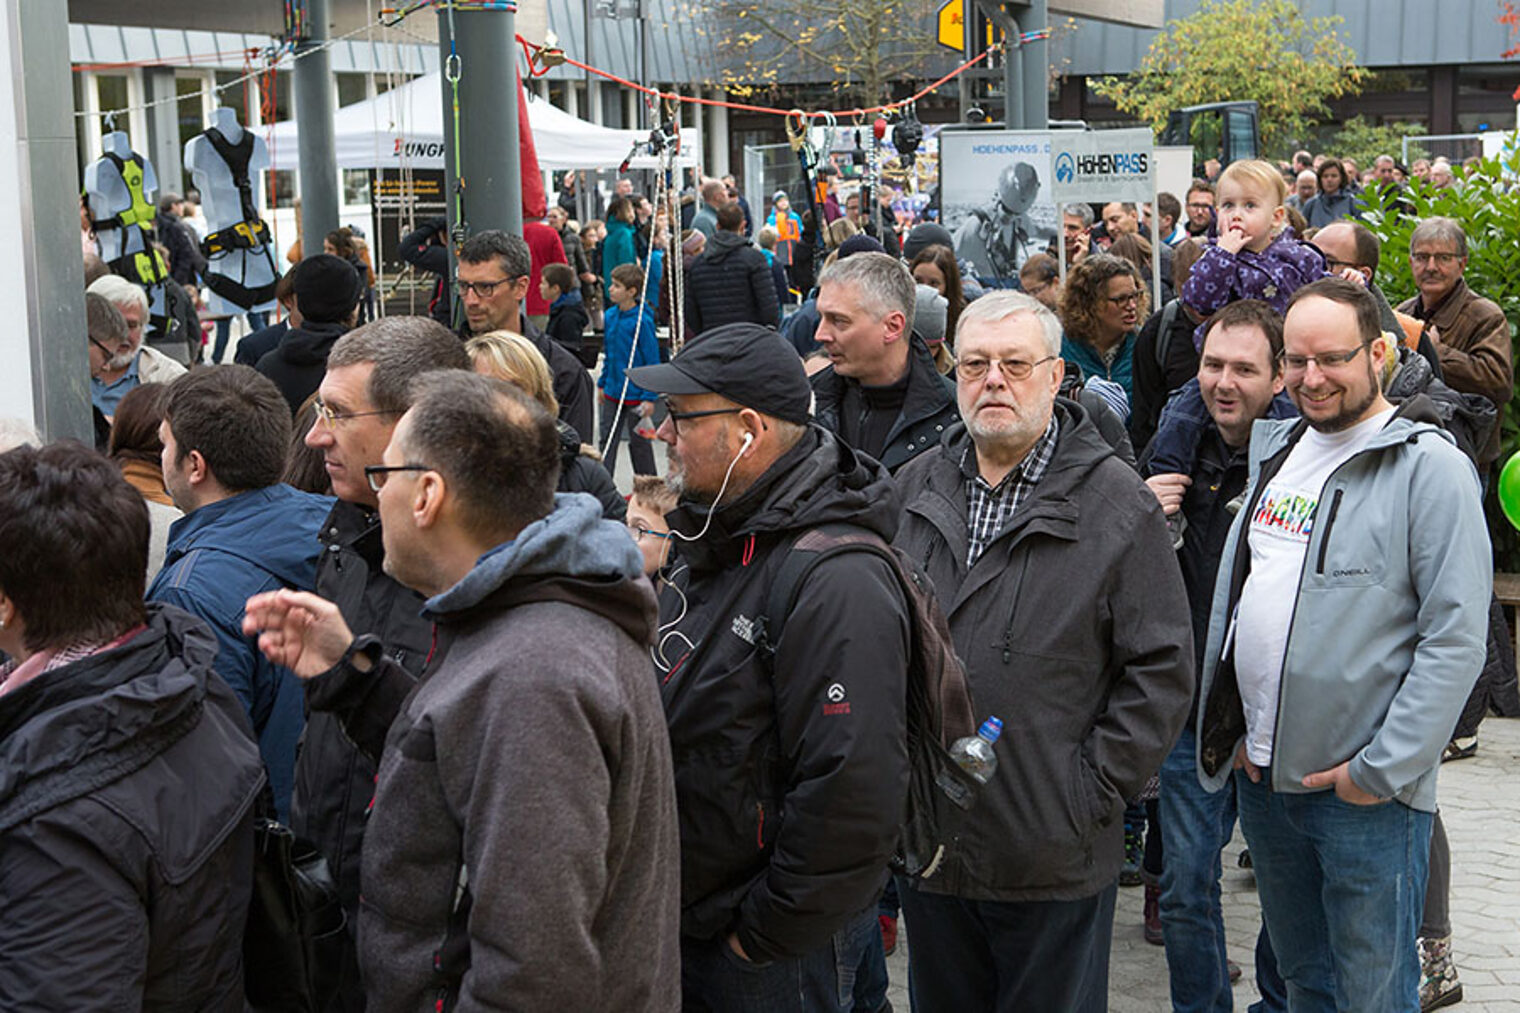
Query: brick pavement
[[1480, 803]]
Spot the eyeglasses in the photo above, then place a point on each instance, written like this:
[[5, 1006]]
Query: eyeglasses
[[1012, 369], [677, 417], [640, 532], [378, 474], [1199, 207], [1336, 266], [1444, 259], [1325, 360], [331, 418], [483, 289], [1128, 299]]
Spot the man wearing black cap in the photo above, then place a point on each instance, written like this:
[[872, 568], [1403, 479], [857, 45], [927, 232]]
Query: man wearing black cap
[[328, 290], [788, 730]]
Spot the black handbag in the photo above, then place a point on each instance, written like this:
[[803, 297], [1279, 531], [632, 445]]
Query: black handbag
[[294, 940]]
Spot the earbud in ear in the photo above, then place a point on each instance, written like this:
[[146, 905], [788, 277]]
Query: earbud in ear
[[748, 439]]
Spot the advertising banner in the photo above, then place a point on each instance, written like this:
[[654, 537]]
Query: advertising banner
[[996, 200]]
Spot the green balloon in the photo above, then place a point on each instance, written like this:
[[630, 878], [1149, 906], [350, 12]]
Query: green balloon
[[1509, 489]]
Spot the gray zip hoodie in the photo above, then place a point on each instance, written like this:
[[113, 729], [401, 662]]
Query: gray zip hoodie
[[1389, 625]]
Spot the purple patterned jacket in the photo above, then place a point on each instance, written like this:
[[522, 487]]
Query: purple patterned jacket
[[1273, 275]]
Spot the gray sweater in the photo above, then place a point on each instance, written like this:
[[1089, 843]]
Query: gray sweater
[[532, 763]]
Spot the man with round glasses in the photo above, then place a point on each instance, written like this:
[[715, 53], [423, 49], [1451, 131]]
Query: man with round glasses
[[1052, 563]]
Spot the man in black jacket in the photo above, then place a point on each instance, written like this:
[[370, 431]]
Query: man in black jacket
[[426, 248], [730, 283], [790, 755], [363, 395], [881, 393], [1053, 566], [328, 290], [494, 272]]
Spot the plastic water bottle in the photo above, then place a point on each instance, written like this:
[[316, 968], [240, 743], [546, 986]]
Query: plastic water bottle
[[974, 752]]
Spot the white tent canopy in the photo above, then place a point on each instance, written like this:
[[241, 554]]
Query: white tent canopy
[[409, 120]]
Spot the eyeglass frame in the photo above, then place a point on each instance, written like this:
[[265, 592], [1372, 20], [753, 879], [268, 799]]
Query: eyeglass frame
[[639, 532], [1132, 299], [1337, 360], [373, 471], [676, 417], [480, 289], [1005, 368], [1443, 258], [328, 417]]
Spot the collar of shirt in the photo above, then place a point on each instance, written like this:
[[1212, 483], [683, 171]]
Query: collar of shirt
[[988, 509]]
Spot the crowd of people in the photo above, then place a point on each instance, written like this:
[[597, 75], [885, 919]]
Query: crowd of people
[[1208, 553]]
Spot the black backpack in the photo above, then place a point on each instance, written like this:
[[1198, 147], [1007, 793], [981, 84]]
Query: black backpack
[[939, 709]]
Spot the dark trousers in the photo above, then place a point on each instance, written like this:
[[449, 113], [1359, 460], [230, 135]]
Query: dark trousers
[[1004, 957], [256, 322], [639, 447], [715, 979]]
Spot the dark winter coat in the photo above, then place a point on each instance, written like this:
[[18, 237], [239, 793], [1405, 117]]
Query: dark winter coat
[[929, 406], [253, 347], [567, 325], [790, 776], [218, 557], [531, 759], [1073, 626], [299, 362], [730, 283], [1153, 381], [335, 781], [127, 789], [422, 249], [579, 473]]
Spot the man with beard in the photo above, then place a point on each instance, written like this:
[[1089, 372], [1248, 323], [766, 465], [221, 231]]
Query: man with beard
[[791, 763], [1342, 643], [1052, 563]]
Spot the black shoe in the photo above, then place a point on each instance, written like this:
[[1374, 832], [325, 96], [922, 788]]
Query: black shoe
[[1460, 749]]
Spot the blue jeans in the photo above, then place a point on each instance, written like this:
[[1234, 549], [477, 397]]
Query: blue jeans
[[1342, 887], [1008, 956], [715, 979], [256, 322], [1198, 825]]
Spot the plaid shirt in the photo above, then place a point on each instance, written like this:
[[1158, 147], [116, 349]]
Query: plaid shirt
[[988, 509]]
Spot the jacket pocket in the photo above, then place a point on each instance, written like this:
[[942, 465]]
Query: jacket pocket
[[1324, 538]]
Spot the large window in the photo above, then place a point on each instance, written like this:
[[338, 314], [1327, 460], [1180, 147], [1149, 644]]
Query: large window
[[352, 88]]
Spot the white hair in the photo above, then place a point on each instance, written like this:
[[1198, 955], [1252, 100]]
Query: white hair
[[119, 292], [1000, 304], [17, 433]]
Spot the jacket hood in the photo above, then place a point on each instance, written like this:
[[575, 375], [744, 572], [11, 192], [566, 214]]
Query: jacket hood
[[723, 244], [571, 298], [272, 528], [309, 344], [818, 481], [570, 555], [87, 724], [1411, 419]]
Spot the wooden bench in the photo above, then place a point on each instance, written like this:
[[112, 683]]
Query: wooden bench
[[1507, 590]]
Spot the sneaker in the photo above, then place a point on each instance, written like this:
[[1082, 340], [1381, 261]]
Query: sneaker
[[1439, 986], [1134, 855], [888, 933], [1233, 969], [1460, 749], [1153, 933]]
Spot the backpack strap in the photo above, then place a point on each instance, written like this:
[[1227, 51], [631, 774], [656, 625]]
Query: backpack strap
[[803, 553], [1164, 335]]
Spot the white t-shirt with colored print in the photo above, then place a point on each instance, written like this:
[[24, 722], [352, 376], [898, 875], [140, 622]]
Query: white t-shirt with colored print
[[1278, 537]]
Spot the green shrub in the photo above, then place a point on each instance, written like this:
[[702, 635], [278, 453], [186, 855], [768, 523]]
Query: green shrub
[[1487, 203]]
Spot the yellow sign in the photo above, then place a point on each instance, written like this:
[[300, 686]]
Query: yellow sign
[[952, 25]]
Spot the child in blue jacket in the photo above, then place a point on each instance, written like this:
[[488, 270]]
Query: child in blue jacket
[[630, 341]]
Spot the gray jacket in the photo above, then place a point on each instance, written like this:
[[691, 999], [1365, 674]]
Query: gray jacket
[[1389, 628], [533, 763], [1074, 628]]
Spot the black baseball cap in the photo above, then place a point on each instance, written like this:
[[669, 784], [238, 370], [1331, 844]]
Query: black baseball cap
[[749, 364]]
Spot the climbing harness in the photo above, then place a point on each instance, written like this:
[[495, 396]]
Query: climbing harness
[[252, 233]]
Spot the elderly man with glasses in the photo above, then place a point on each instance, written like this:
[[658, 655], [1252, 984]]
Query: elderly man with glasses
[[1470, 333], [1052, 563], [115, 311]]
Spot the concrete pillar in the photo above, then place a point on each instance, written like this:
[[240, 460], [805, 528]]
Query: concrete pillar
[[490, 161], [163, 130], [718, 144], [315, 106], [1036, 83], [47, 376]]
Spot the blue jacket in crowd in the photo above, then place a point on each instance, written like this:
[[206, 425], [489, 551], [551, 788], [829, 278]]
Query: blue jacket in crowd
[[618, 342], [218, 557]]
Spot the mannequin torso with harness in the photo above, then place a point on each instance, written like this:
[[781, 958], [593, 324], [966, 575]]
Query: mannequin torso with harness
[[222, 161]]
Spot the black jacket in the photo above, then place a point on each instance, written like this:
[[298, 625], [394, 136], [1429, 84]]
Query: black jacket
[[422, 249], [730, 283], [1073, 626], [790, 776], [334, 780], [253, 347], [579, 473], [299, 362], [929, 406], [186, 262], [127, 789], [567, 325], [1154, 381]]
